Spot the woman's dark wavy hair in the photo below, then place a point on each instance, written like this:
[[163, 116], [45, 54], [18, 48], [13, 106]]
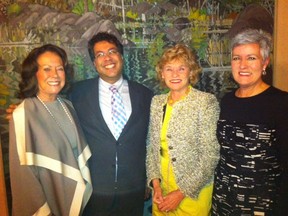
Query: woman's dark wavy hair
[[28, 85], [103, 36]]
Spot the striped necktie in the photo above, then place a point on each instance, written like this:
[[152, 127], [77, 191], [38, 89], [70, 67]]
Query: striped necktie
[[118, 111]]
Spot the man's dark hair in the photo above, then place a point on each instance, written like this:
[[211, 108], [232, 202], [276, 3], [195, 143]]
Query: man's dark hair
[[103, 36]]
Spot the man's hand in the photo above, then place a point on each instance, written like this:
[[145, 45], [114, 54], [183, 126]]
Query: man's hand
[[10, 110]]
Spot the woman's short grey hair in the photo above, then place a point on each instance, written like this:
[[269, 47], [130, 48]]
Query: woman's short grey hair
[[257, 36]]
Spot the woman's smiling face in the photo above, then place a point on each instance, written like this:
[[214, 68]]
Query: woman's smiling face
[[247, 65], [176, 75], [50, 75]]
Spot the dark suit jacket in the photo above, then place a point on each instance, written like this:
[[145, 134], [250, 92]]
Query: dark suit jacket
[[130, 147]]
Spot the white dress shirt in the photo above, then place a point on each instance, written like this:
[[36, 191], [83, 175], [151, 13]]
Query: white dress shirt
[[105, 100]]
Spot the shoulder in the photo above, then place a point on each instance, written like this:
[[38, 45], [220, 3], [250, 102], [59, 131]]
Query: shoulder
[[159, 100], [139, 87], [139, 90], [274, 96], [202, 96], [278, 98], [79, 89], [276, 91], [66, 101], [228, 96], [202, 101], [160, 97], [28, 105], [84, 84]]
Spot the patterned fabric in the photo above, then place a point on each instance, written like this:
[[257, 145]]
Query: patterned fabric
[[191, 137], [188, 206], [46, 177], [118, 111], [248, 169], [252, 174]]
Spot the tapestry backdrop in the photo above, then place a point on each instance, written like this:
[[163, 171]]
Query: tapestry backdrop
[[146, 28]]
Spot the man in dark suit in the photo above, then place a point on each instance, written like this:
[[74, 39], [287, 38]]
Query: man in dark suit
[[117, 164]]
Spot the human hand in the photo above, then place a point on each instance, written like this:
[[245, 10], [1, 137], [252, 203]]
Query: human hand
[[10, 110], [157, 191], [171, 201], [157, 196]]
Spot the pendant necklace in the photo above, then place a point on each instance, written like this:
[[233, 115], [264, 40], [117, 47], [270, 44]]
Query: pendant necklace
[[51, 114]]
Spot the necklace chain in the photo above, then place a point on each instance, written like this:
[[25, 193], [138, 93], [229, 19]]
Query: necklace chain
[[51, 114]]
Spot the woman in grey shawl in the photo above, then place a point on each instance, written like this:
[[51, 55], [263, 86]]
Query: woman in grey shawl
[[48, 152]]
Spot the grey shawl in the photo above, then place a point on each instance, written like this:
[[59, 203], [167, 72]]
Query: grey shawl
[[46, 178]]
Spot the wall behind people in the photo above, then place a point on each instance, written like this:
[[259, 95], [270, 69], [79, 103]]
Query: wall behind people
[[280, 44], [144, 28]]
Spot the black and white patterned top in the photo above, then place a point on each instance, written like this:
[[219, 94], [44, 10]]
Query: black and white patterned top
[[251, 177]]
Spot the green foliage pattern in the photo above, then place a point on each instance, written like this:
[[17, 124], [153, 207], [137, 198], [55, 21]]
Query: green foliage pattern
[[14, 9], [79, 7]]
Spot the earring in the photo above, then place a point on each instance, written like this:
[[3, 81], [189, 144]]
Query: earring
[[264, 72]]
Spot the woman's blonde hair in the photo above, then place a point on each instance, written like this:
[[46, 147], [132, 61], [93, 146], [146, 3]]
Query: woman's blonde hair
[[182, 53]]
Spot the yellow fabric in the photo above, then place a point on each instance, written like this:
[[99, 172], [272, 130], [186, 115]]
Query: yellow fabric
[[188, 206]]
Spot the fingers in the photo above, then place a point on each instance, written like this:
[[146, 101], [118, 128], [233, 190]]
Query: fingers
[[157, 196], [13, 106], [9, 111], [164, 207], [158, 199], [171, 201]]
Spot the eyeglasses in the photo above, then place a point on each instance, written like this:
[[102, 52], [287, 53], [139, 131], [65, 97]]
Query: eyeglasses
[[111, 53]]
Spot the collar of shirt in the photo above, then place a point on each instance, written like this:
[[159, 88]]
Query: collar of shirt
[[105, 85]]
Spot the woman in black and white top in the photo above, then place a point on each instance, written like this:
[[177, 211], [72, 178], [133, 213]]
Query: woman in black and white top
[[251, 177]]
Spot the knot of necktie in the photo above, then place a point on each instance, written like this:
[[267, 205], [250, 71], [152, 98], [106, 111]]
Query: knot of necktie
[[113, 89]]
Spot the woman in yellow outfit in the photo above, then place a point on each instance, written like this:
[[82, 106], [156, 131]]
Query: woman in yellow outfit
[[182, 150]]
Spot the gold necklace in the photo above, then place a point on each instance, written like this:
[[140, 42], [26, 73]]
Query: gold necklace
[[171, 102]]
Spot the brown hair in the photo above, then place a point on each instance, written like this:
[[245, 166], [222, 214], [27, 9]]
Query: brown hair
[[29, 85]]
